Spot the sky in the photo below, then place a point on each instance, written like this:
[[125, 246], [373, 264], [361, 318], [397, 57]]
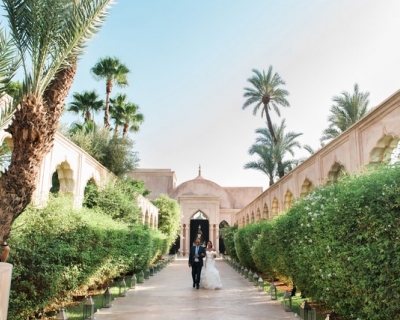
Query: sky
[[190, 61]]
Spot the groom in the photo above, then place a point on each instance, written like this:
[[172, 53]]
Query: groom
[[197, 253]]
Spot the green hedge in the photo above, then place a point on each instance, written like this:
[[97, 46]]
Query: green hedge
[[339, 245], [58, 250]]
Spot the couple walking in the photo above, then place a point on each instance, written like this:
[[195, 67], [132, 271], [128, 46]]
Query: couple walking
[[207, 277]]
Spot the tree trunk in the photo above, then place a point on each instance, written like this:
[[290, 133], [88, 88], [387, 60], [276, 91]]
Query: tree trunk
[[125, 131], [33, 128], [107, 107], [281, 171]]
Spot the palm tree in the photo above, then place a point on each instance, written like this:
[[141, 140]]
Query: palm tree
[[266, 92], [126, 114], [347, 110], [272, 156], [85, 103], [265, 163], [49, 37], [113, 71], [118, 102], [9, 62]]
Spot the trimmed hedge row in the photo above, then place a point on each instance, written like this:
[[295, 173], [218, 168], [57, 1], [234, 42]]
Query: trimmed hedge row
[[58, 250], [339, 245]]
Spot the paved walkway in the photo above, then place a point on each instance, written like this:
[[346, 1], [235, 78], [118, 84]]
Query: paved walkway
[[169, 295]]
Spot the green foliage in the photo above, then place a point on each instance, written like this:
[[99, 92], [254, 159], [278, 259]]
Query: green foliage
[[244, 242], [55, 183], [339, 244], [113, 152], [117, 199], [169, 217], [58, 250], [228, 234]]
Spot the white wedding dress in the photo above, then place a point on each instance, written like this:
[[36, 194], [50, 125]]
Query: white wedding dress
[[209, 274]]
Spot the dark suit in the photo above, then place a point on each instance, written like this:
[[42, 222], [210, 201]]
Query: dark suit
[[196, 265]]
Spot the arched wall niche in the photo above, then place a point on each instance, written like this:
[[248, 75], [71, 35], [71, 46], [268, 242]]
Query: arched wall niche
[[65, 177], [337, 170], [306, 187], [265, 212], [384, 149], [288, 200], [258, 216], [275, 207]]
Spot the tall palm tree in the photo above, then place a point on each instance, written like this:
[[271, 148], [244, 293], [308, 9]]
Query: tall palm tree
[[347, 110], [114, 72], [85, 104], [274, 154], [266, 92], [49, 37], [126, 114], [119, 102], [265, 163]]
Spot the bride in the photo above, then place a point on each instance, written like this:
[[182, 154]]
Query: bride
[[210, 275]]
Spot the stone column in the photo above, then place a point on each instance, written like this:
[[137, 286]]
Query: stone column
[[5, 284], [183, 240]]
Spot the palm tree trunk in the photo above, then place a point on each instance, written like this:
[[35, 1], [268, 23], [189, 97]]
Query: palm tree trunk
[[125, 130], [107, 107], [32, 129], [281, 171]]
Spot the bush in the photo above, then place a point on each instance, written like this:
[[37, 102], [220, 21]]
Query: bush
[[340, 245], [57, 251]]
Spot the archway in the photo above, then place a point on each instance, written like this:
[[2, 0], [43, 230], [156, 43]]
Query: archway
[[258, 217], [221, 244], [199, 228], [288, 200], [306, 188], [337, 171], [275, 207], [265, 212], [384, 149]]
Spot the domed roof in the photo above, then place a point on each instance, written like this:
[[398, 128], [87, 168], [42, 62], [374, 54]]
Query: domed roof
[[202, 188]]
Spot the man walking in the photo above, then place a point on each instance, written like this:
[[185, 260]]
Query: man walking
[[197, 253]]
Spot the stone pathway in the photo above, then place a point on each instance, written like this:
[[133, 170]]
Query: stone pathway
[[169, 295]]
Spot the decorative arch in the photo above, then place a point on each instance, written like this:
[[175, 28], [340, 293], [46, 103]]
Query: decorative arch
[[306, 188], [199, 215], [223, 224], [258, 216], [65, 177], [288, 200], [383, 150], [252, 217], [147, 218], [243, 222], [337, 170], [275, 207], [247, 219], [265, 212]]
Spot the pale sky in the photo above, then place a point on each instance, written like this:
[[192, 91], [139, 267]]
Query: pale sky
[[190, 61]]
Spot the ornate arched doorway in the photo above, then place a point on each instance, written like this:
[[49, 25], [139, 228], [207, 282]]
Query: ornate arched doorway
[[199, 228], [221, 244]]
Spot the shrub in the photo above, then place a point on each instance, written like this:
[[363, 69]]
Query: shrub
[[58, 250]]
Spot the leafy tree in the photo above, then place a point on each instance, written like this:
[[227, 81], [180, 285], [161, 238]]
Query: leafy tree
[[114, 72], [347, 110], [85, 103], [118, 200], [113, 152], [49, 36], [169, 217], [266, 92]]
